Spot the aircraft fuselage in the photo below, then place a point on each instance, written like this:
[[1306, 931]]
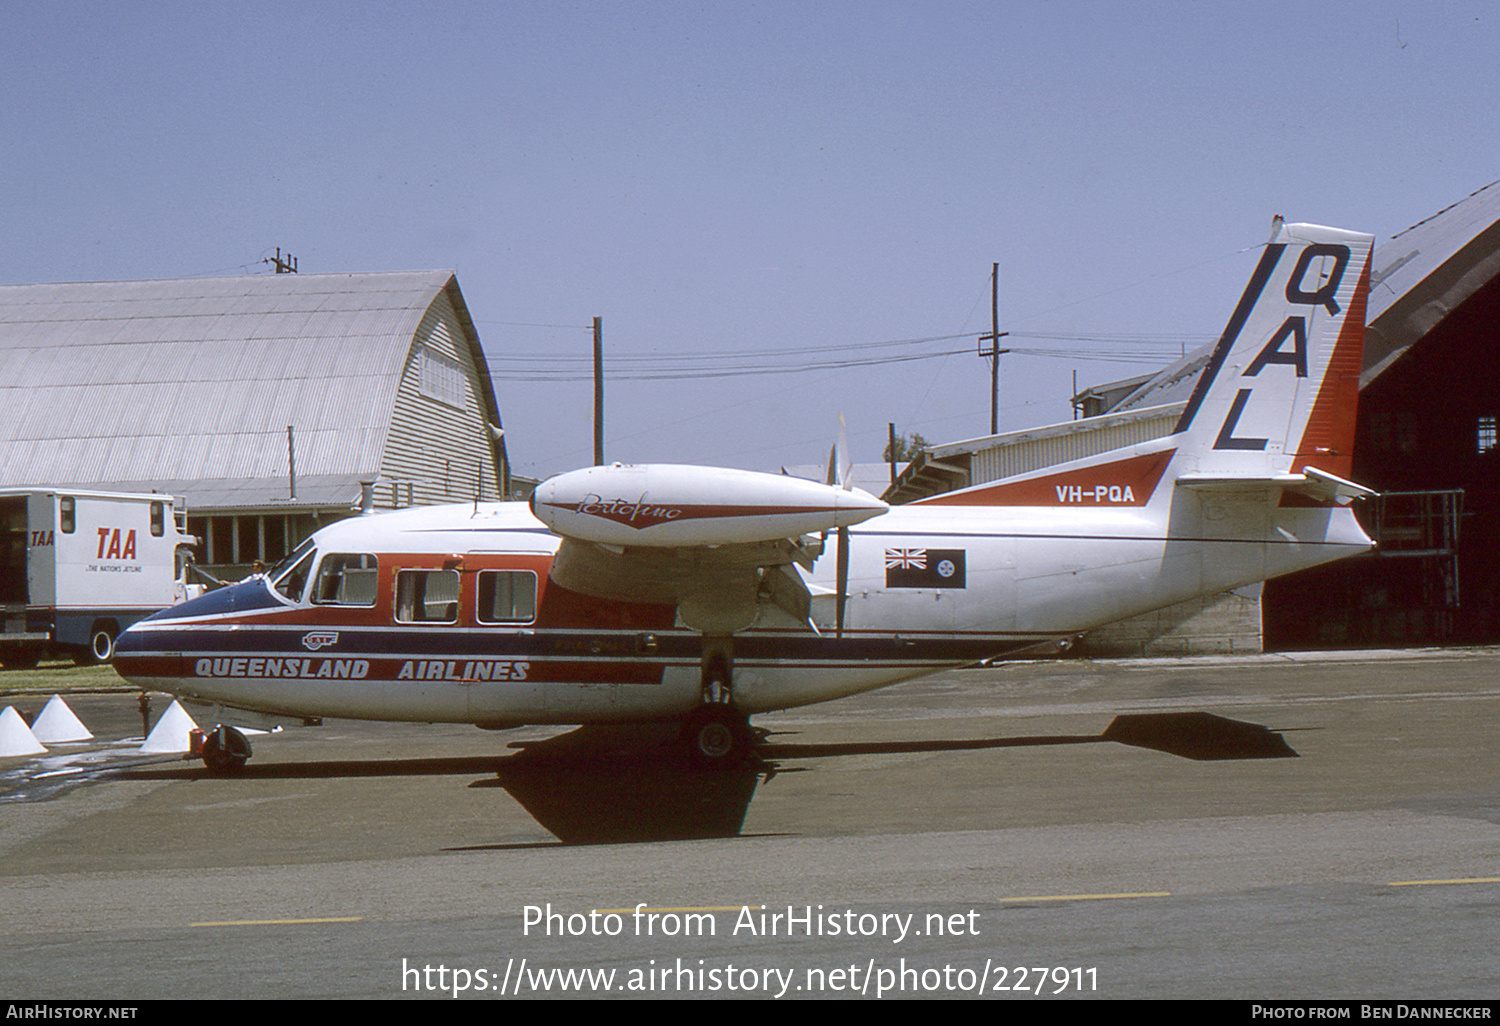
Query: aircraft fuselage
[[396, 616]]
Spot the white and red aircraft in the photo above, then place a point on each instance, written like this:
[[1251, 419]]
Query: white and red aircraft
[[637, 593]]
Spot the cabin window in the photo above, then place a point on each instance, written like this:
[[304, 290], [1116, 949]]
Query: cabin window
[[294, 580], [427, 596], [67, 514], [158, 519], [506, 596], [346, 579]]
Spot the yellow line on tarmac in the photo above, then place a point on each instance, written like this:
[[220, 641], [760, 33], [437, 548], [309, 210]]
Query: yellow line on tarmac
[[281, 922], [1091, 897], [1420, 883]]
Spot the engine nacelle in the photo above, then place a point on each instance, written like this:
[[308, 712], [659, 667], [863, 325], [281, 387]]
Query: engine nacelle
[[670, 505]]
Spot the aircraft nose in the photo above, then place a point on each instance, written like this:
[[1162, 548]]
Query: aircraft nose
[[128, 642]]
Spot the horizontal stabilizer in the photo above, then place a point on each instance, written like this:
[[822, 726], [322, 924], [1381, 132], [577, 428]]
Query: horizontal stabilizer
[[1331, 488], [1311, 482]]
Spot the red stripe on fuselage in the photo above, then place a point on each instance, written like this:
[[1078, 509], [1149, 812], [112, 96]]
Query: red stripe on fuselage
[[1125, 483]]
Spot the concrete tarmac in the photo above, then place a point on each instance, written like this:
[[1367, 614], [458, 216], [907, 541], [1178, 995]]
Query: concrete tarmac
[[969, 834]]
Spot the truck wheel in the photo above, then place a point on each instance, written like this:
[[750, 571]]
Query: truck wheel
[[100, 649], [103, 644]]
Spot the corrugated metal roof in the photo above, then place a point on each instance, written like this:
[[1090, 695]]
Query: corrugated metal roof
[[1422, 274], [943, 468], [192, 383]]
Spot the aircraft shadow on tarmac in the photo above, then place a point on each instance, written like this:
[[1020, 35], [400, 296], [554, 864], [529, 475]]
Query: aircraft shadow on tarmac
[[603, 784], [614, 784]]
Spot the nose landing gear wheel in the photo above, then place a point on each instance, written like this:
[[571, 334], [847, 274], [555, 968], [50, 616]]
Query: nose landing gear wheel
[[225, 750]]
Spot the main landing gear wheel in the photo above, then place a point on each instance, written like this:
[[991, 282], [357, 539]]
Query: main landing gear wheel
[[225, 750], [717, 735]]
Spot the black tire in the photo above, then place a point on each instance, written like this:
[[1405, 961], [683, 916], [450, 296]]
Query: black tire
[[19, 658], [225, 750], [717, 736], [102, 644], [101, 647]]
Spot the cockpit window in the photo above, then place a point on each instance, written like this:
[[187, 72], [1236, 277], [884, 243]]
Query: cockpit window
[[346, 579], [297, 553], [292, 582]]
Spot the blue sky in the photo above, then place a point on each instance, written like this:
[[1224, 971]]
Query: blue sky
[[714, 180]]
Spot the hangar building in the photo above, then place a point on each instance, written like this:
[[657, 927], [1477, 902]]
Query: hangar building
[[1427, 438], [271, 403]]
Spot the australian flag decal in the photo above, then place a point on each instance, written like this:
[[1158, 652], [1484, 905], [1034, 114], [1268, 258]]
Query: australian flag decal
[[924, 568]]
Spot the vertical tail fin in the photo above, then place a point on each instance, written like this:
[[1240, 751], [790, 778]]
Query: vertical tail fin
[[1275, 402], [1280, 391]]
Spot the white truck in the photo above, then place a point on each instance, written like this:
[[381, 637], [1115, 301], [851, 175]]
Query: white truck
[[78, 567]]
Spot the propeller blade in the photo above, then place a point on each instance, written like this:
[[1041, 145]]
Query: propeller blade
[[839, 463], [842, 597], [845, 478]]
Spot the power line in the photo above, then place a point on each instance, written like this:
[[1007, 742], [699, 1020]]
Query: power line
[[574, 370], [731, 354], [1159, 342], [1117, 347], [531, 324]]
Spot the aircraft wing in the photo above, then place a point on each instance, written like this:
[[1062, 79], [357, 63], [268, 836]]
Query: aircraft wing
[[715, 542], [715, 589]]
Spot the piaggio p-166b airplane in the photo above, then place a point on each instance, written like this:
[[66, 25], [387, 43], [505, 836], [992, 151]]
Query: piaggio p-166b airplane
[[640, 593]]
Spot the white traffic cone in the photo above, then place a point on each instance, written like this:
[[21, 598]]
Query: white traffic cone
[[57, 724], [170, 735], [15, 737]]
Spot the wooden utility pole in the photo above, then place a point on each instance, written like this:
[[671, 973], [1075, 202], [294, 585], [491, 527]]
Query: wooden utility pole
[[291, 461], [598, 391], [995, 351]]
